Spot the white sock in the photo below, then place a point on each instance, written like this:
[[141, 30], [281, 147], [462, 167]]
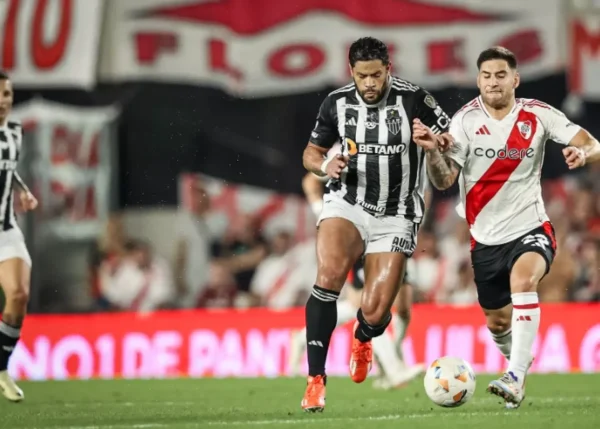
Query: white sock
[[385, 351], [345, 312], [525, 325], [400, 327], [504, 342]]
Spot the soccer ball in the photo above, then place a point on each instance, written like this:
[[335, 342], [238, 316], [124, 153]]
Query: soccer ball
[[450, 382]]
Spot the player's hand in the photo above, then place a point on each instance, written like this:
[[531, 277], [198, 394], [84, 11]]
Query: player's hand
[[423, 136], [28, 201], [574, 157], [446, 142], [336, 165]]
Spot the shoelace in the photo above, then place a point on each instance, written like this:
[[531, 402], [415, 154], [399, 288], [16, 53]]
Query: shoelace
[[507, 378]]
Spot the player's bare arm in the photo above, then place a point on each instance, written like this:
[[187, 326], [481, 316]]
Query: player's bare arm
[[26, 197], [583, 148], [314, 160], [442, 170]]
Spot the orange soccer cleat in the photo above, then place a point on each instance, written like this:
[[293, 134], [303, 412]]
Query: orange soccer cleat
[[361, 359], [314, 396]]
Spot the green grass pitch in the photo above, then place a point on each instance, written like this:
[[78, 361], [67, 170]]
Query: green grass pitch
[[554, 401]]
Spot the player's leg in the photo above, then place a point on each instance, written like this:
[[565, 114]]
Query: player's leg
[[391, 242], [14, 278], [339, 244], [396, 373], [346, 311], [492, 278], [531, 258]]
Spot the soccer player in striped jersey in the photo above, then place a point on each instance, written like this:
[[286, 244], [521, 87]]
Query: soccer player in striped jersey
[[374, 205], [498, 151], [387, 349], [15, 262]]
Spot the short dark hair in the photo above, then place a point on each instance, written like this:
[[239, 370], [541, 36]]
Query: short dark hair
[[368, 49], [4, 75], [497, 53]]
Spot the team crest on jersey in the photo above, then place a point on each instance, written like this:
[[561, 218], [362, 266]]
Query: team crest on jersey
[[525, 129], [430, 101], [393, 121]]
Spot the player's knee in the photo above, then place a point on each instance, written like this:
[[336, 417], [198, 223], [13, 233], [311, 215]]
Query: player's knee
[[332, 277], [523, 283], [17, 296], [498, 323]]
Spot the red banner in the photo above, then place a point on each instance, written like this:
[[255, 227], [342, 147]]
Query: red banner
[[249, 343]]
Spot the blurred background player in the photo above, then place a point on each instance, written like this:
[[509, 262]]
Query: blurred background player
[[15, 262], [498, 153], [387, 349]]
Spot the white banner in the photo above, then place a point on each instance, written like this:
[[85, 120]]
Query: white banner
[[277, 212], [287, 47], [50, 42], [73, 148], [584, 50]]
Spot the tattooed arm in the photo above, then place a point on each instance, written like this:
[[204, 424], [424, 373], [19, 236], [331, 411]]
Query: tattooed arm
[[441, 169]]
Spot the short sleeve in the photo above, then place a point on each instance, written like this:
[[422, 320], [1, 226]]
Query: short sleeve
[[427, 109], [460, 150], [558, 127], [325, 133]]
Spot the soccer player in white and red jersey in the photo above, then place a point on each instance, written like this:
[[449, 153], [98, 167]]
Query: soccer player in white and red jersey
[[498, 151]]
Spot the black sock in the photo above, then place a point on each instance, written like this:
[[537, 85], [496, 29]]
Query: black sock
[[321, 318], [9, 335], [366, 332]]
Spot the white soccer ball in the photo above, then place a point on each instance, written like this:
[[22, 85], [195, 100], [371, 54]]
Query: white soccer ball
[[450, 382]]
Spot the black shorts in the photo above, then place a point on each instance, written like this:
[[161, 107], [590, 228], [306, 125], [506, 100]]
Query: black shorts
[[357, 276], [492, 264]]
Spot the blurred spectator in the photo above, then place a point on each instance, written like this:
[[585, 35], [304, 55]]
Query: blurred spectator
[[192, 259], [221, 290], [108, 247], [277, 282], [465, 291], [138, 281], [241, 250], [587, 283], [554, 287], [430, 271], [456, 247]]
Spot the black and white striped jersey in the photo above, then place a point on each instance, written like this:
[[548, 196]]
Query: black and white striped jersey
[[11, 137], [386, 174]]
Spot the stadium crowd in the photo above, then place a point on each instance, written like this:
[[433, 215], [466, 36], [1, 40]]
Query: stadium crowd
[[244, 268]]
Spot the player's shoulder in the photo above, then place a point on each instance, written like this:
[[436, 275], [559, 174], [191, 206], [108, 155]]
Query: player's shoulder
[[537, 107], [343, 91], [472, 108], [403, 86]]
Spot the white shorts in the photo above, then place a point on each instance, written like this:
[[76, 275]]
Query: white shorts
[[12, 245], [381, 234]]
